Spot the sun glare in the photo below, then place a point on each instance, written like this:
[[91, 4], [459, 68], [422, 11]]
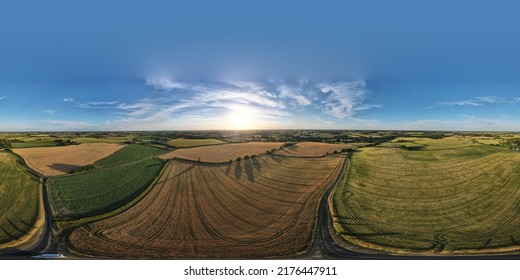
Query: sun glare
[[240, 120]]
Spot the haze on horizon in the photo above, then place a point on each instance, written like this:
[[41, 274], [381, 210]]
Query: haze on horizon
[[259, 65]]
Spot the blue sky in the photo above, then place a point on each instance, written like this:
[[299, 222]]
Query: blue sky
[[160, 65]]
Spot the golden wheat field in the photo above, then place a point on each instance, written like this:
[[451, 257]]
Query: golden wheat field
[[52, 161], [261, 207], [222, 153]]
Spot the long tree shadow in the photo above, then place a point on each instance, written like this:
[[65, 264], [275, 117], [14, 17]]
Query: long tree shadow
[[278, 159], [238, 169], [249, 170], [63, 167], [228, 169], [256, 164]]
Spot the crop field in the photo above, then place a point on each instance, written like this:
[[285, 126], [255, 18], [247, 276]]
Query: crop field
[[19, 202], [53, 161], [83, 140], [260, 207], [313, 149], [102, 190], [222, 153], [453, 197], [129, 154], [187, 143]]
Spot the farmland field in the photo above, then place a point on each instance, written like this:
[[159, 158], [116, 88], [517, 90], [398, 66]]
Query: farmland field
[[186, 143], [222, 153], [20, 215], [453, 197], [84, 140], [261, 207], [312, 149], [102, 190], [53, 161], [129, 154]]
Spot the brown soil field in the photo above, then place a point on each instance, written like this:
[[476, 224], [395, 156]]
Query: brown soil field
[[313, 149], [52, 161], [222, 153], [263, 207]]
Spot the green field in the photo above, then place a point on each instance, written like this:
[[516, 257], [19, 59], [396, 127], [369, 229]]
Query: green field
[[102, 190], [112, 139], [454, 196], [186, 143], [19, 200], [130, 154], [35, 144]]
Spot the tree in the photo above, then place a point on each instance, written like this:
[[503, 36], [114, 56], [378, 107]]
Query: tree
[[5, 143]]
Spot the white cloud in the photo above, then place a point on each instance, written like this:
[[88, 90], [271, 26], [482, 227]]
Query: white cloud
[[92, 104], [3, 97], [344, 99], [293, 94], [97, 104], [270, 103], [50, 112], [102, 103], [260, 98], [164, 84], [478, 101]]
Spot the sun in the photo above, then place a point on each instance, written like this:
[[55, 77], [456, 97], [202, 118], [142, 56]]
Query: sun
[[240, 120]]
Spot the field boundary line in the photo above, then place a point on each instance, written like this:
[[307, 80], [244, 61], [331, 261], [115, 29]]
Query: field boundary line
[[70, 225]]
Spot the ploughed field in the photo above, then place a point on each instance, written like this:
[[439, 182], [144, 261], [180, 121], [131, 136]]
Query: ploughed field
[[222, 153], [20, 215], [449, 197], [260, 207], [52, 161]]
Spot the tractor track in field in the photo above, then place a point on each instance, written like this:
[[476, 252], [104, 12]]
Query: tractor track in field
[[325, 246], [52, 243], [47, 243]]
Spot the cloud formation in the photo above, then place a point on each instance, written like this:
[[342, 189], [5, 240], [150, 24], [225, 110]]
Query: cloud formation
[[92, 104], [344, 99], [210, 105], [3, 97], [479, 101]]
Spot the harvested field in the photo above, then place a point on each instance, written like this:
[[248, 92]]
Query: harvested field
[[187, 143], [102, 190], [261, 207], [447, 199], [222, 153], [313, 149], [52, 161], [20, 216]]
